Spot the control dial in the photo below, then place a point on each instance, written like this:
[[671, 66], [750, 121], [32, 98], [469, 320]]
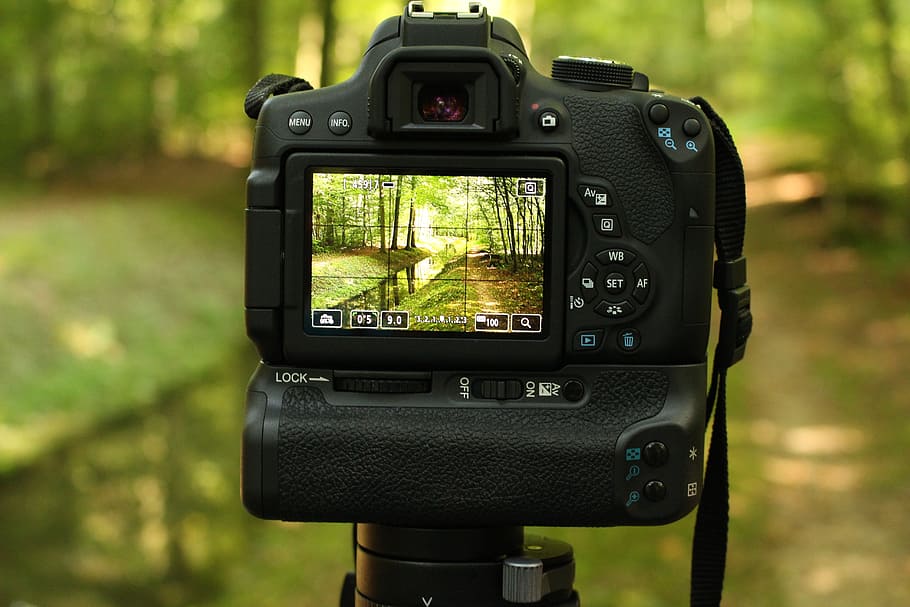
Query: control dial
[[586, 70]]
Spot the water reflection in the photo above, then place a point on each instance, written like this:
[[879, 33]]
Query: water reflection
[[389, 293], [146, 511]]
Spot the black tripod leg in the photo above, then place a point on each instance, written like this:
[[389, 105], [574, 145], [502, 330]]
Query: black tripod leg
[[348, 588]]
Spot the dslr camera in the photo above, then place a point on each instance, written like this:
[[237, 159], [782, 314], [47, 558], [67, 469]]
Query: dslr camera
[[481, 295]]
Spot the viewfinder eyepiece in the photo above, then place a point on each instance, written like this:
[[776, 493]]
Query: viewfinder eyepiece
[[443, 103]]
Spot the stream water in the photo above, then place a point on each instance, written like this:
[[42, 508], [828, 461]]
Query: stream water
[[388, 293], [146, 511]]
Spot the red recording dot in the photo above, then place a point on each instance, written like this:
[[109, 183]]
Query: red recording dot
[[535, 106]]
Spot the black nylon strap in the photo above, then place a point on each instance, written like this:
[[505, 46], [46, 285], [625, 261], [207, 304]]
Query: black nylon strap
[[709, 547], [273, 84]]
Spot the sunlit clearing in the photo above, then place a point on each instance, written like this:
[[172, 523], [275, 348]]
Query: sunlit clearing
[[793, 187], [823, 440], [802, 473], [90, 339]]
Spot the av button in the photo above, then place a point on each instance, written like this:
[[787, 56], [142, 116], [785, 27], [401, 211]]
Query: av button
[[594, 196]]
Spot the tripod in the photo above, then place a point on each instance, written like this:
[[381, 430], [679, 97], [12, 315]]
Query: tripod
[[475, 567]]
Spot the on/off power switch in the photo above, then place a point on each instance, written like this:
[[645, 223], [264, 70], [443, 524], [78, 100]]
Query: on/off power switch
[[498, 389]]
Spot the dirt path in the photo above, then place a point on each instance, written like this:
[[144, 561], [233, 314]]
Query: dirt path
[[824, 421]]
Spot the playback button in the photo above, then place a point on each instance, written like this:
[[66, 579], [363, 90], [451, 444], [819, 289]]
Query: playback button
[[588, 340]]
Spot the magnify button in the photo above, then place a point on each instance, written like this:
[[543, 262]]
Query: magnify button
[[670, 144], [526, 323], [690, 145]]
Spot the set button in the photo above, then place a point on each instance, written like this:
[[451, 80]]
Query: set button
[[615, 283]]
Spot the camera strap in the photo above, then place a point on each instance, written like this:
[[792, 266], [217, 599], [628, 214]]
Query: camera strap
[[709, 546], [273, 84]]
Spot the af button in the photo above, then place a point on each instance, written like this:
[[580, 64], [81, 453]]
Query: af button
[[642, 283]]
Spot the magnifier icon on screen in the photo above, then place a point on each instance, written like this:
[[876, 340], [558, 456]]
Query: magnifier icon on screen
[[526, 323], [690, 145]]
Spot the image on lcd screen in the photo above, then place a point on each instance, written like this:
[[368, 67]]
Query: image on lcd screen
[[427, 253]]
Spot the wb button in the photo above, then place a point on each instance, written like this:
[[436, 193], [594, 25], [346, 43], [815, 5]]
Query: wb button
[[588, 340]]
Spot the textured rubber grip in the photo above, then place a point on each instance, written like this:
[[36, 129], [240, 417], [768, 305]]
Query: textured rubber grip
[[439, 467], [611, 142]]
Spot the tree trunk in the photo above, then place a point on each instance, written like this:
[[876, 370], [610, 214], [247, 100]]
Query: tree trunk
[[44, 54], [897, 95], [394, 245], [150, 119], [382, 219], [329, 36], [248, 19], [411, 240]]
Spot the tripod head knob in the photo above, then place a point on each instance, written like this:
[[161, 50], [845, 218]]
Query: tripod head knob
[[522, 579]]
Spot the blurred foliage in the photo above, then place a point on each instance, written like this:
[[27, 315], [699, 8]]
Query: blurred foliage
[[91, 80]]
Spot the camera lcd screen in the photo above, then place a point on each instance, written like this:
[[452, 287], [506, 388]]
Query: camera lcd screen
[[427, 253]]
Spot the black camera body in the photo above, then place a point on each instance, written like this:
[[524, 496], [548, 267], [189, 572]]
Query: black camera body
[[481, 295]]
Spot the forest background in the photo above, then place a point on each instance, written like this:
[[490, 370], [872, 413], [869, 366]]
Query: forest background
[[122, 354]]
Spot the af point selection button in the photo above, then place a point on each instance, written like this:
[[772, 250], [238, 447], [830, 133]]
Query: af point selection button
[[300, 122]]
